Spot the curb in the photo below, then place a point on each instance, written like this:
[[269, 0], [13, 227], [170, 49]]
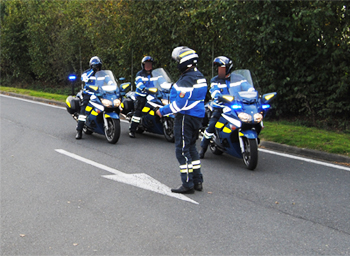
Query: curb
[[310, 153], [314, 154]]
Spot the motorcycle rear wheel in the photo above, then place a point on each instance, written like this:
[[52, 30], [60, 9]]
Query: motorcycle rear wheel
[[215, 150], [250, 156], [169, 133], [87, 131], [139, 130], [113, 133]]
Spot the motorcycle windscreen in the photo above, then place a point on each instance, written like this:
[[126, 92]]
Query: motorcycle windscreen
[[164, 82], [105, 80], [240, 80]]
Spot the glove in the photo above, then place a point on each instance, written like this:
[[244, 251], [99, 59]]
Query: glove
[[84, 78]]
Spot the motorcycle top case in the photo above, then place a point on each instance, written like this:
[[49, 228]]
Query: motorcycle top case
[[72, 104]]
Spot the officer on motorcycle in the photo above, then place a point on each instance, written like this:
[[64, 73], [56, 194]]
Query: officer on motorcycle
[[187, 102], [89, 78], [221, 85], [143, 80]]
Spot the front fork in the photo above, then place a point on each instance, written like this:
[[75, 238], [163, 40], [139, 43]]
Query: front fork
[[249, 134], [105, 121], [241, 143]]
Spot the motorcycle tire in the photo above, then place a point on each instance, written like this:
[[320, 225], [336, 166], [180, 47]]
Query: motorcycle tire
[[113, 133], [169, 133], [139, 130], [215, 150], [87, 131], [250, 156]]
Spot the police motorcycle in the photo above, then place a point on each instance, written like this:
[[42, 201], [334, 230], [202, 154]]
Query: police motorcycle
[[159, 96], [237, 130], [102, 111]]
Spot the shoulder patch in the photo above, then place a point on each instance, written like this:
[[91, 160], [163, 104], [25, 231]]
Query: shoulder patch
[[182, 94]]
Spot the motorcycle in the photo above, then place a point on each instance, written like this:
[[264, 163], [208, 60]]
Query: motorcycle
[[102, 111], [158, 96], [238, 128]]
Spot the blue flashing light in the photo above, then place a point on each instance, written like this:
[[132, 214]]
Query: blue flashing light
[[265, 106], [236, 106], [72, 77]]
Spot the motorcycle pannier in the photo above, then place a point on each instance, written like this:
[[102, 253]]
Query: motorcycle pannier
[[72, 104], [128, 106]]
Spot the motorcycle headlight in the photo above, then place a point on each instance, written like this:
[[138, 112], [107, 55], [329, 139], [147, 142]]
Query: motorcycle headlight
[[165, 102], [106, 103], [246, 118], [116, 102], [258, 117]]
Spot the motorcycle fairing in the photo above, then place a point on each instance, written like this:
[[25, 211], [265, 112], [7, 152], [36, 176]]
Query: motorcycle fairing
[[227, 139], [249, 134], [112, 115], [150, 120]]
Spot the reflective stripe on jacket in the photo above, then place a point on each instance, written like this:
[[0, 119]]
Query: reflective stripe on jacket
[[187, 95]]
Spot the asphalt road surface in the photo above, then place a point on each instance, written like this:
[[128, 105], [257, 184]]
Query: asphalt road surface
[[61, 196]]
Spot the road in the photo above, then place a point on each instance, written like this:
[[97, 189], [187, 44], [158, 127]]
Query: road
[[61, 196]]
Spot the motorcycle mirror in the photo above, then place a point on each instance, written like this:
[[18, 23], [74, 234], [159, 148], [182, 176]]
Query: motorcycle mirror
[[268, 96], [228, 98], [153, 90], [125, 87]]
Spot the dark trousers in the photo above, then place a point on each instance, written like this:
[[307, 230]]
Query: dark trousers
[[208, 133], [140, 102], [186, 131], [82, 114]]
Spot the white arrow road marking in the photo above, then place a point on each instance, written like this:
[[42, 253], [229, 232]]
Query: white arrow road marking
[[140, 180]]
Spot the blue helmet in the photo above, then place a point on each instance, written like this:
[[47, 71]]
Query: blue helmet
[[223, 61], [146, 59], [185, 57], [95, 63]]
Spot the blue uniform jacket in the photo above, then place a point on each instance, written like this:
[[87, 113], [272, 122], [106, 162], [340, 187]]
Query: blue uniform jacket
[[144, 80], [90, 74], [187, 95]]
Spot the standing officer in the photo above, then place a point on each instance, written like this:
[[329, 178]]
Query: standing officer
[[89, 78], [224, 83], [143, 80], [187, 102]]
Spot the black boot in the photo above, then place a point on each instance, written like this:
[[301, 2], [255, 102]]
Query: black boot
[[202, 153], [182, 190], [132, 134], [79, 135], [198, 186]]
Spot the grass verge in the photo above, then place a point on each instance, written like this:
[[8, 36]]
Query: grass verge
[[45, 95], [276, 131], [306, 137]]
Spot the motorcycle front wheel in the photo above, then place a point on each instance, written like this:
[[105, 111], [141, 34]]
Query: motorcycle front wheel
[[250, 155], [112, 132]]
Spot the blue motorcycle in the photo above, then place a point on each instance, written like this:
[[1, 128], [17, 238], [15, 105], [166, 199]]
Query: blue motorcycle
[[158, 97], [238, 128], [102, 112]]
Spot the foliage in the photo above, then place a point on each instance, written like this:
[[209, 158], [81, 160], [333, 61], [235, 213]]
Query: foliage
[[300, 49]]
